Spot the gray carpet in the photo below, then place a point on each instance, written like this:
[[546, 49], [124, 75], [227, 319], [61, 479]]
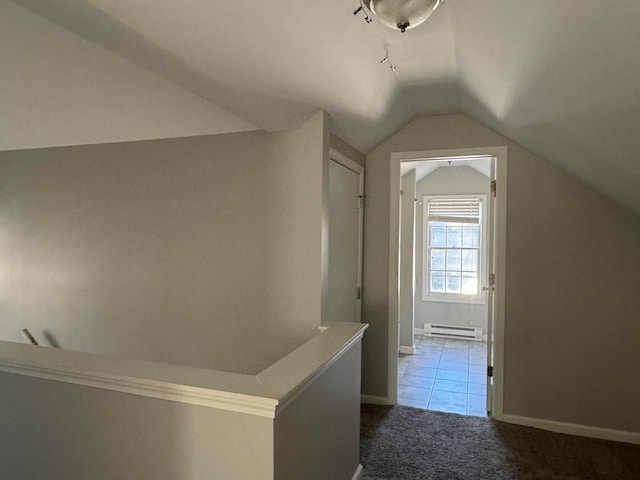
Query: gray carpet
[[404, 443]]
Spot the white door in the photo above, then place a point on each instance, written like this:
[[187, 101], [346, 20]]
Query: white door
[[490, 287], [407, 268], [345, 238]]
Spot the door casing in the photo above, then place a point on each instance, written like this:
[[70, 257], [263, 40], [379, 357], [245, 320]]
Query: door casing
[[500, 154]]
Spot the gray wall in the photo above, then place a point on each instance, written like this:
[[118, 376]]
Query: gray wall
[[56, 431], [201, 251], [572, 286], [317, 436], [445, 181]]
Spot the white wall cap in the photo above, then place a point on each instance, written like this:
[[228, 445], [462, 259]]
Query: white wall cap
[[252, 394]]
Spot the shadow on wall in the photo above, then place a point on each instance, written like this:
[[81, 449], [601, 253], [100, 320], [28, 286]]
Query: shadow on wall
[[50, 337]]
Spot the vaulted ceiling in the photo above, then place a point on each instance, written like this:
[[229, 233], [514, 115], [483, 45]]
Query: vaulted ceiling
[[560, 77]]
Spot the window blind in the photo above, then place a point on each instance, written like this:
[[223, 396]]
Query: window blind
[[464, 210]]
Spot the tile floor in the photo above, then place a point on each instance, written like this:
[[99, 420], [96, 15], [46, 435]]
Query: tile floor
[[447, 375]]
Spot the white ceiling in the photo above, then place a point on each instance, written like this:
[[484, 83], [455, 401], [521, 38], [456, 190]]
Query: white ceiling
[[559, 77]]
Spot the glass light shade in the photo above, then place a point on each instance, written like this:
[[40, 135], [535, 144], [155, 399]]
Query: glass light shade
[[402, 14]]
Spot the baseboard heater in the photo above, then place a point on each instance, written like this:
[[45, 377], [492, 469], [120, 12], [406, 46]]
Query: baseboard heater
[[437, 330]]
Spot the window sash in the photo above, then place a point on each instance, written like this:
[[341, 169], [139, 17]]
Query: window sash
[[446, 270], [451, 212]]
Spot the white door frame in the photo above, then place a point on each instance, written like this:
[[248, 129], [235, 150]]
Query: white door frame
[[500, 155], [358, 169]]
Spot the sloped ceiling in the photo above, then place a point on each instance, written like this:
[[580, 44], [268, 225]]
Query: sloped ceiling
[[56, 89], [558, 77], [561, 79]]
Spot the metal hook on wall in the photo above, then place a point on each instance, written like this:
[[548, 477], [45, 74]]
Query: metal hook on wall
[[392, 67], [364, 10]]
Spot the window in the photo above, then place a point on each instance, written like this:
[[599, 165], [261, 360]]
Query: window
[[452, 269]]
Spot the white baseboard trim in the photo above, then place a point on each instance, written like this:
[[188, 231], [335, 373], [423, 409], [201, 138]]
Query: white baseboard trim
[[418, 331], [407, 350], [375, 400], [573, 429], [358, 473]]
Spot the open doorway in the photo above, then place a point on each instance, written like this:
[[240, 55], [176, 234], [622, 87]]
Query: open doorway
[[449, 237]]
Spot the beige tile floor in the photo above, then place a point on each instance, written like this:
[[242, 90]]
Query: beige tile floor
[[447, 375]]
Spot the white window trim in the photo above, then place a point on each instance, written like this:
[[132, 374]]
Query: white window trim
[[427, 296]]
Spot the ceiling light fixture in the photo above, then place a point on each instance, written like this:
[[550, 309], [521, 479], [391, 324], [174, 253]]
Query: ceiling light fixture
[[402, 14]]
